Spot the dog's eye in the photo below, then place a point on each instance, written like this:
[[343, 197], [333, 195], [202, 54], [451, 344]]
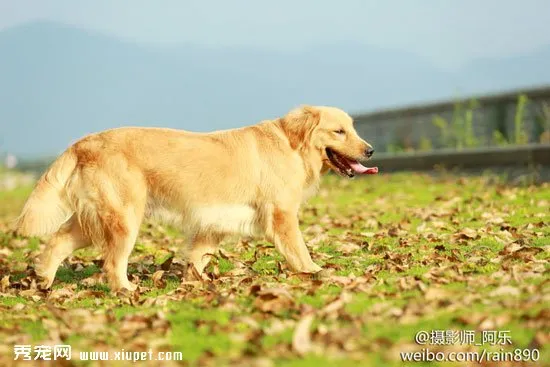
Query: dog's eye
[[341, 131]]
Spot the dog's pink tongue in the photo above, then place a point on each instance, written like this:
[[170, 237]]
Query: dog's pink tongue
[[359, 168]]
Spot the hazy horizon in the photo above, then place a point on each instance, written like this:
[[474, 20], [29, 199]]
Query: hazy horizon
[[71, 68]]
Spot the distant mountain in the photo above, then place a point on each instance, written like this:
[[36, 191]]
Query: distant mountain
[[58, 83], [532, 68]]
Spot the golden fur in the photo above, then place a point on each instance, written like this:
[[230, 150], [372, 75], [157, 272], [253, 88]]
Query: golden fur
[[248, 181]]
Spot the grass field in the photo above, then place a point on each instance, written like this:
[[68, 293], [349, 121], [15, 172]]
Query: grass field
[[402, 253]]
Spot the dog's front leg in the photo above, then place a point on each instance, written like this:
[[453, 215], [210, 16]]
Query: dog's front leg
[[287, 238]]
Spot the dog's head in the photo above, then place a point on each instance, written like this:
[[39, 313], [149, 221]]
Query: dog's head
[[330, 132]]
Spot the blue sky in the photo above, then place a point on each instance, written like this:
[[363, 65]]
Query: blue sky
[[448, 33]]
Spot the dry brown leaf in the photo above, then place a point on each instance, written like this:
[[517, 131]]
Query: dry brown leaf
[[348, 247], [433, 294], [505, 290], [301, 340], [273, 300], [167, 263], [158, 282], [95, 279], [540, 340], [337, 304], [466, 234], [28, 292], [5, 283], [439, 224], [393, 231], [318, 239], [62, 293], [368, 234]]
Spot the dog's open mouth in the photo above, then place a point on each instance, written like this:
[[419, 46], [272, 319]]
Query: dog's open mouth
[[348, 166]]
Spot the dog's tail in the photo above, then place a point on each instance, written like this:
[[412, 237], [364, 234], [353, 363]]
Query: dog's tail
[[48, 206]]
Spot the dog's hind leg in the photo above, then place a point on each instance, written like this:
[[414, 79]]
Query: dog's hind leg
[[203, 246], [120, 234], [110, 209], [67, 239]]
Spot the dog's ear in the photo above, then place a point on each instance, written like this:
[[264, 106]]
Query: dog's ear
[[299, 125]]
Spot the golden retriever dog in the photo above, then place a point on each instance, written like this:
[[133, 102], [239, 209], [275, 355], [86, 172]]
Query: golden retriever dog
[[248, 181]]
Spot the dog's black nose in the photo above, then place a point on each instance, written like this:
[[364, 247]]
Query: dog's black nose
[[369, 152]]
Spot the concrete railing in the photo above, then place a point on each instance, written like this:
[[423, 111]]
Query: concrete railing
[[411, 127], [523, 156]]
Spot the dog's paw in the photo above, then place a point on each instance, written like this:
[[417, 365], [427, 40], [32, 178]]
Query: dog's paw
[[127, 287], [44, 284], [315, 273], [314, 269]]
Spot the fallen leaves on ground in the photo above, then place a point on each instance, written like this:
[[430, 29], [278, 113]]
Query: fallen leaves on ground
[[401, 254]]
